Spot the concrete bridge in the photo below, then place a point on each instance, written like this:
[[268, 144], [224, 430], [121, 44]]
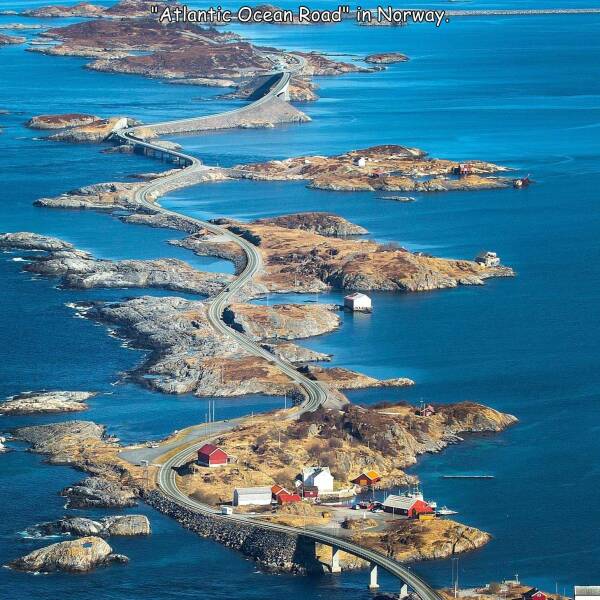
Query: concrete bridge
[[315, 393]]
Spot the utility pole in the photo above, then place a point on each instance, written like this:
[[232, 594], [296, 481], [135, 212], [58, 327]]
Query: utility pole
[[455, 576]]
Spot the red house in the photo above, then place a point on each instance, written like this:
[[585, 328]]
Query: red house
[[310, 491], [277, 490], [534, 594], [284, 498], [212, 456], [367, 478]]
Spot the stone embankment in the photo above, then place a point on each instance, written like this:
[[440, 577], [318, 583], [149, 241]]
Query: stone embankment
[[272, 550]]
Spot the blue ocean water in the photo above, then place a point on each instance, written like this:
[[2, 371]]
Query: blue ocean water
[[518, 91]]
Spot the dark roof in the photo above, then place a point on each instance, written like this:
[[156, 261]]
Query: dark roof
[[532, 592]]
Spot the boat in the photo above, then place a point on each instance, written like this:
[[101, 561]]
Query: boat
[[445, 512]]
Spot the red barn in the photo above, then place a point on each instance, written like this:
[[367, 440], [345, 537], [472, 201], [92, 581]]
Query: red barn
[[212, 456], [284, 498]]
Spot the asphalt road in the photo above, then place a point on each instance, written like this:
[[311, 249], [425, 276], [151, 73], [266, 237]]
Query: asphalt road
[[315, 393]]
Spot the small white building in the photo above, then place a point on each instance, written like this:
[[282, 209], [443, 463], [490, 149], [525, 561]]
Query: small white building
[[319, 477], [361, 162], [358, 302], [252, 496], [488, 259], [587, 592]]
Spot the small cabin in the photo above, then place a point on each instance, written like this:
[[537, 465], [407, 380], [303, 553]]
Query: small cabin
[[488, 259], [367, 479], [358, 303], [361, 162]]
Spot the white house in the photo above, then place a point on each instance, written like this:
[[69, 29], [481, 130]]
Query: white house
[[587, 592], [252, 496], [320, 477], [488, 259], [361, 162], [358, 302]]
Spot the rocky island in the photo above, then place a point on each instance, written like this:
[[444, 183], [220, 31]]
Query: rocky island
[[75, 556], [386, 168], [6, 40], [29, 403], [386, 58], [129, 40]]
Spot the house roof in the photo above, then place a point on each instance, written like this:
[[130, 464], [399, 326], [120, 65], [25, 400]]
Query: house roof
[[314, 472], [209, 449], [279, 489], [373, 475], [532, 592], [401, 502], [253, 490], [356, 296]]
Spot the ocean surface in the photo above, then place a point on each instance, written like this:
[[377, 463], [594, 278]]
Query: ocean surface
[[519, 91]]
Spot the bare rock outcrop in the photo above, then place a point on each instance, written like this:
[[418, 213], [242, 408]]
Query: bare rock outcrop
[[80, 270], [118, 525], [111, 195], [282, 321], [76, 556], [6, 40], [96, 492], [61, 121], [322, 223], [29, 403]]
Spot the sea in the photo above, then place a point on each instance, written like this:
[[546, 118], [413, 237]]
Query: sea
[[519, 91]]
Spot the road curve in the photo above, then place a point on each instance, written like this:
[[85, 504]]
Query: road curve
[[315, 394]]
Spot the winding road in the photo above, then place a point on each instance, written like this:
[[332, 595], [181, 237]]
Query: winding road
[[315, 394]]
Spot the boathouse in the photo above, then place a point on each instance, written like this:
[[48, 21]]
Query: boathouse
[[407, 506], [252, 496], [367, 479], [358, 302], [212, 456]]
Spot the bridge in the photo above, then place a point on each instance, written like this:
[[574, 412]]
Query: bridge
[[314, 393]]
